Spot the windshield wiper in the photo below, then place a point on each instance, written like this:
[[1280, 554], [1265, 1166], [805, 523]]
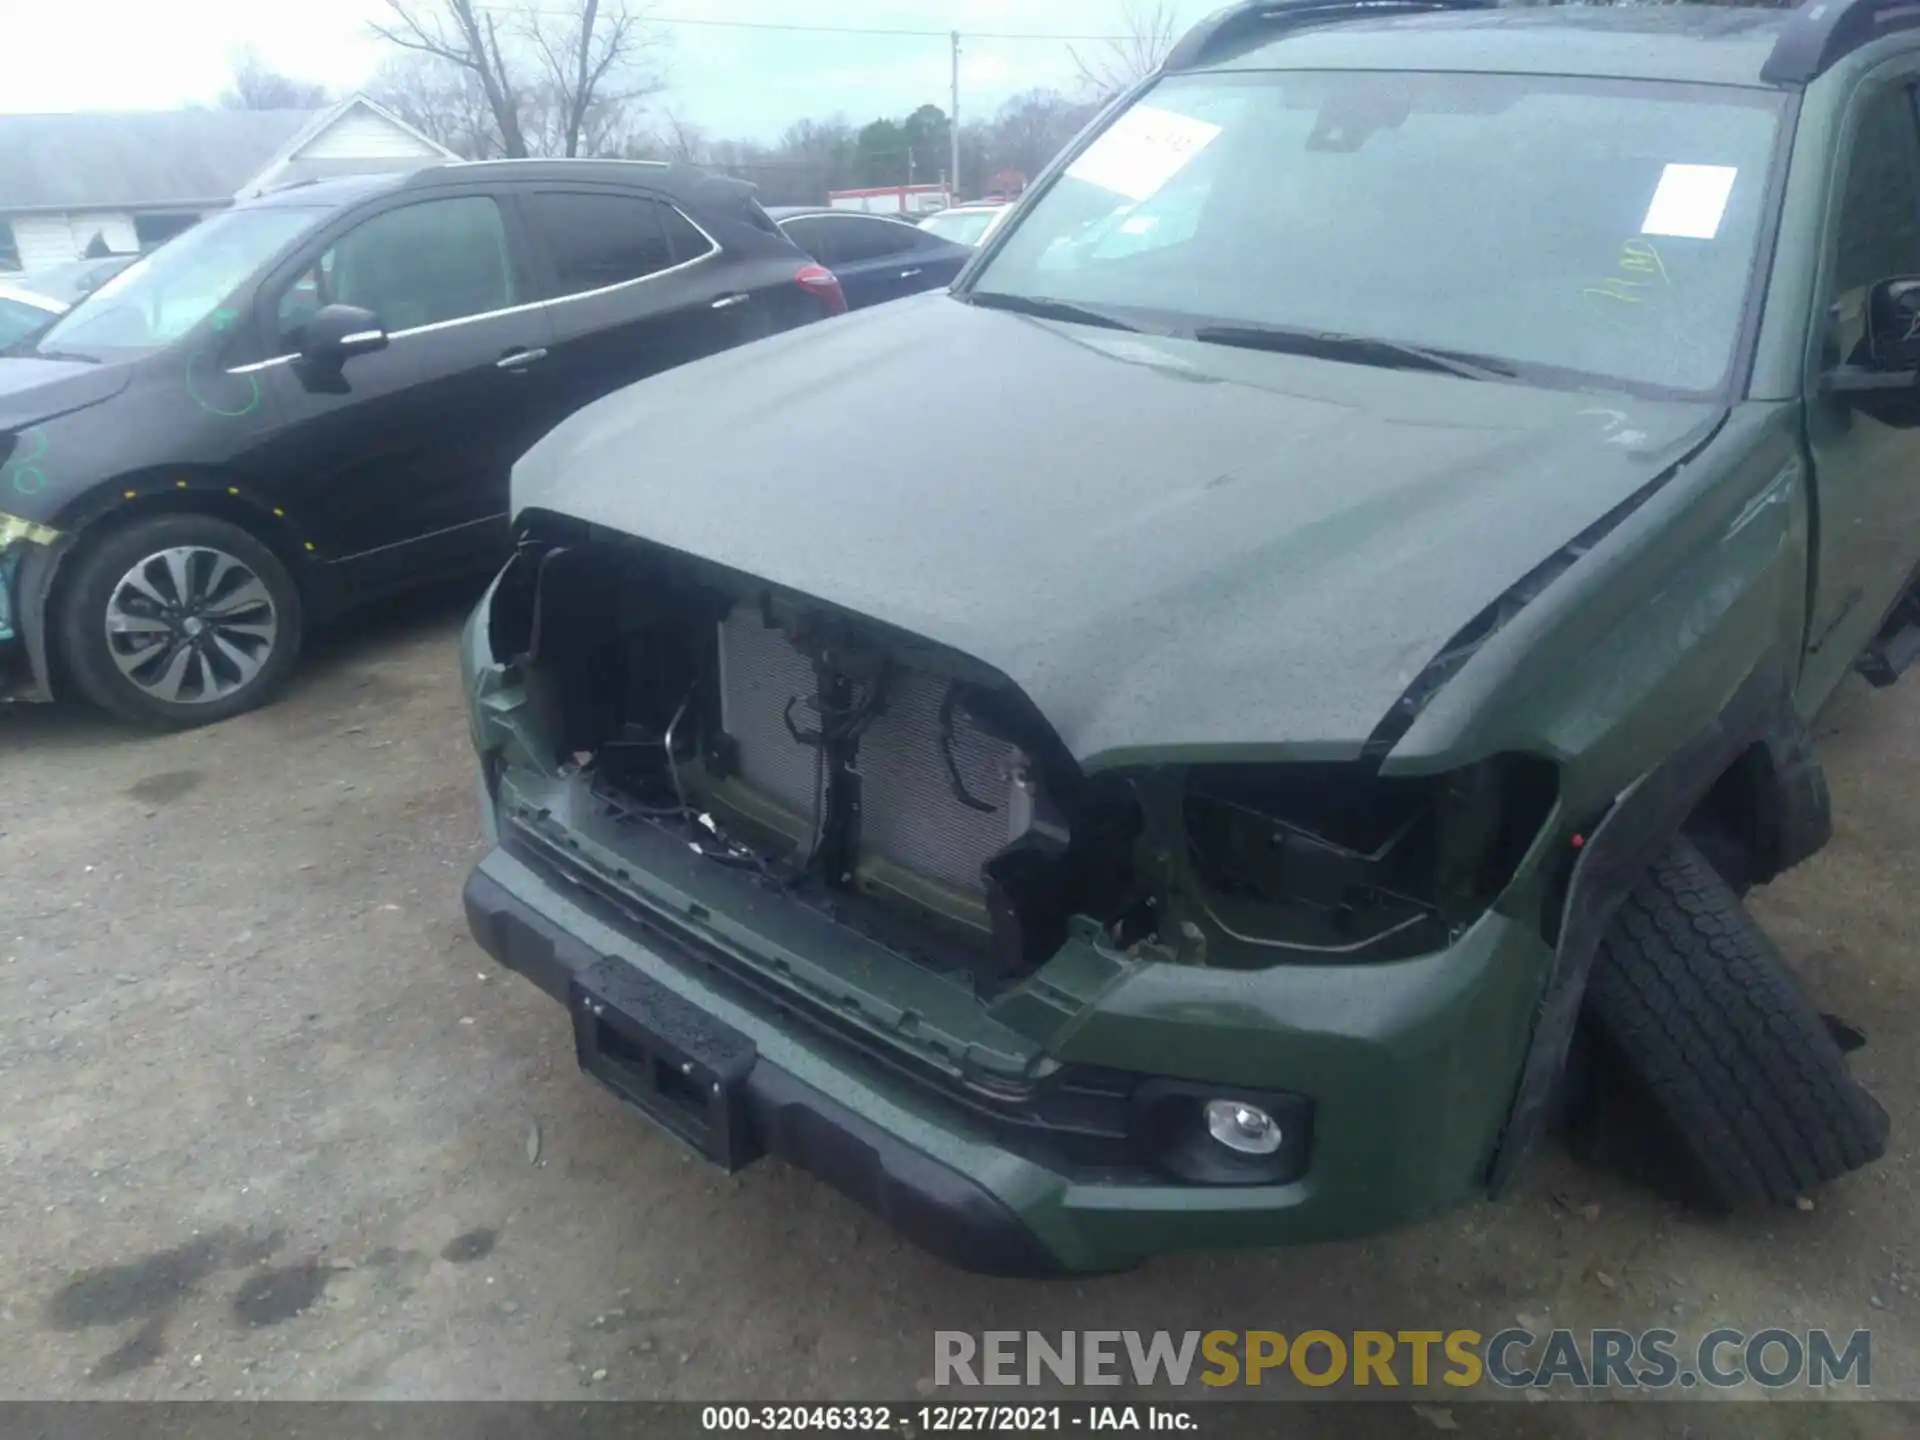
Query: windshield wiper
[[1359, 349], [61, 355], [1045, 309]]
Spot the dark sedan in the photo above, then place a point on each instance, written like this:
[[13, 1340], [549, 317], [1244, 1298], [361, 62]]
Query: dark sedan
[[877, 258]]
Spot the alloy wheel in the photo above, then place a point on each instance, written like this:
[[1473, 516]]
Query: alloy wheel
[[191, 624]]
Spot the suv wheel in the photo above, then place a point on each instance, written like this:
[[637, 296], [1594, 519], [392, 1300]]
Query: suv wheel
[[1709, 1072], [179, 620]]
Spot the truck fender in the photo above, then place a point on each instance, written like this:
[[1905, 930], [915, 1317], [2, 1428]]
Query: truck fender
[[1639, 822], [1793, 809]]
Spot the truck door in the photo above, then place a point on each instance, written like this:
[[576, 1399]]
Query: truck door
[[1866, 473]]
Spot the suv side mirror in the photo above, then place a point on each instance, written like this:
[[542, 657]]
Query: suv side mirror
[[336, 333]]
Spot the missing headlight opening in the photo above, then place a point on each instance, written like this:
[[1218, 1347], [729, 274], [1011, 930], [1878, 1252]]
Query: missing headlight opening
[[1336, 858], [918, 798]]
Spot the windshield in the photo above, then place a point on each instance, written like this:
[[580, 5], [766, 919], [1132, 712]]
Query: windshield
[[67, 283], [18, 319], [963, 227], [158, 299], [1583, 230]]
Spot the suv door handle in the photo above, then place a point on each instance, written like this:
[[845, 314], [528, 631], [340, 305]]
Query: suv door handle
[[519, 359], [726, 302], [908, 274]]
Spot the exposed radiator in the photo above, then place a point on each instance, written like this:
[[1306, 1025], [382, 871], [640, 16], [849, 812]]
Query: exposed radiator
[[909, 814]]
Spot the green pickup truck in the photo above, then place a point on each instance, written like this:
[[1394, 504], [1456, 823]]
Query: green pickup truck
[[1431, 463]]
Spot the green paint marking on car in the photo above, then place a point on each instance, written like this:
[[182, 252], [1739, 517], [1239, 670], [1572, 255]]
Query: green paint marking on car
[[1187, 809], [22, 468], [206, 382]]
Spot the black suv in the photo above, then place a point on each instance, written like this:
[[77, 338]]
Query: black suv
[[314, 399]]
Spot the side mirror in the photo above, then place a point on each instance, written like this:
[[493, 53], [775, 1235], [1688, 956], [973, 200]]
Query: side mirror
[[1893, 324], [1883, 376], [336, 333]]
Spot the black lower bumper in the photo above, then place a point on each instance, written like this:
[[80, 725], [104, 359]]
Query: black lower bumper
[[928, 1202]]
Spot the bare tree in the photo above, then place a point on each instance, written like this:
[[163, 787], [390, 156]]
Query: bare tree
[[441, 101], [818, 141], [596, 61], [256, 87], [460, 33], [554, 80], [678, 139], [1151, 32], [1030, 129]]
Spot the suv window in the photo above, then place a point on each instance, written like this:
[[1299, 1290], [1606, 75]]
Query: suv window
[[686, 238], [599, 238], [419, 265], [758, 217], [1879, 235]]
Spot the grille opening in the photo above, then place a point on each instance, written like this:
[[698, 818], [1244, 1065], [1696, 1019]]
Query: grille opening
[[906, 791]]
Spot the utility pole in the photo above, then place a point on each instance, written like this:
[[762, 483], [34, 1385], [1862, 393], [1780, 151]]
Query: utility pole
[[953, 128]]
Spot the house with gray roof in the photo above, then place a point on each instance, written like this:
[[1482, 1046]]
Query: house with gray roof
[[86, 184]]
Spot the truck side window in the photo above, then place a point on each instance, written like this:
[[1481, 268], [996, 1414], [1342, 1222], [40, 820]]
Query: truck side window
[[1880, 216]]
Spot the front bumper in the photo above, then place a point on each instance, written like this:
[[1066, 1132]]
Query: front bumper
[[929, 1202], [952, 1188]]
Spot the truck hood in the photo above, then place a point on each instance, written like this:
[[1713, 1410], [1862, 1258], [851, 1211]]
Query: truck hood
[[1169, 546], [32, 391]]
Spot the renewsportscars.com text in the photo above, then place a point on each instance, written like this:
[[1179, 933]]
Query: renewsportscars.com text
[[1512, 1359]]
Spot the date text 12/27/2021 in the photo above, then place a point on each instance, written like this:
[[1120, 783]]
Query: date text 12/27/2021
[[945, 1419]]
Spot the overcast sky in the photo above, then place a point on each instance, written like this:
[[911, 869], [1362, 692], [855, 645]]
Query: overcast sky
[[158, 54]]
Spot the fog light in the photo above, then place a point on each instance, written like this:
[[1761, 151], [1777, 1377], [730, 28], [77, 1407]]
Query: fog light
[[1244, 1128], [1208, 1134]]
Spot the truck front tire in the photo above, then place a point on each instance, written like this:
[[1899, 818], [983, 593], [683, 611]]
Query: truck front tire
[[1704, 1045]]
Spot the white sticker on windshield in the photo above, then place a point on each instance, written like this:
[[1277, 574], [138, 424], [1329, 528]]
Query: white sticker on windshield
[[1689, 201], [1143, 150]]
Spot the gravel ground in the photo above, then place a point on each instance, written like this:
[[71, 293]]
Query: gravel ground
[[272, 1126]]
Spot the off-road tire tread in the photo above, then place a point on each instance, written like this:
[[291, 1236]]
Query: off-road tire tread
[[1701, 1011]]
